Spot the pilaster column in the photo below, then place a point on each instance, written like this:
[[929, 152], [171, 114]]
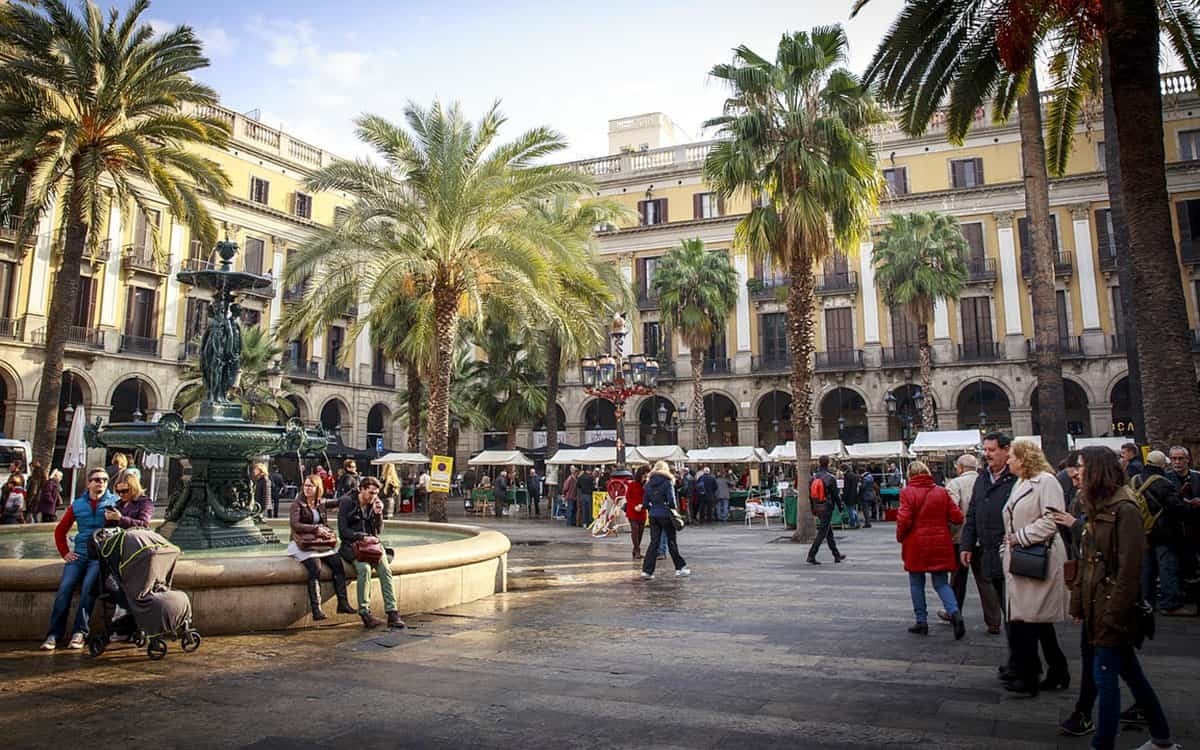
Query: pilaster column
[[275, 266], [171, 299], [39, 277], [1008, 273], [112, 271], [941, 319], [363, 356], [1085, 266], [866, 272], [741, 264]]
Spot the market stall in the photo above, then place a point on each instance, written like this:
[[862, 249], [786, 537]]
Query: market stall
[[733, 454], [481, 499], [406, 503], [835, 449], [882, 452], [1112, 443]]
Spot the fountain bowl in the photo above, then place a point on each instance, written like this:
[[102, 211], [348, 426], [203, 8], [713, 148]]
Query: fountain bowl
[[262, 589]]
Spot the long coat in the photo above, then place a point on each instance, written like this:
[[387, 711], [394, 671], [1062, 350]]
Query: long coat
[[1026, 514], [923, 526]]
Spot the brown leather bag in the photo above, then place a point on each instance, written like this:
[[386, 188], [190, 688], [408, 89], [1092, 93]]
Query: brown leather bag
[[321, 540], [368, 550]]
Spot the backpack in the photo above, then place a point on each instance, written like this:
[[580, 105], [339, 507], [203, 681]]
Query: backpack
[[816, 490], [14, 504], [1142, 500]]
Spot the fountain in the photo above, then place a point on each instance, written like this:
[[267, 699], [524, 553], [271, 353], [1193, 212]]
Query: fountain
[[237, 573], [214, 507]]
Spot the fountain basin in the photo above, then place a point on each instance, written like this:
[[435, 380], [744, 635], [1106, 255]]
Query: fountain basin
[[436, 565]]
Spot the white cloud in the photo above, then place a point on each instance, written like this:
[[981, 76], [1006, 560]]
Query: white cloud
[[216, 40]]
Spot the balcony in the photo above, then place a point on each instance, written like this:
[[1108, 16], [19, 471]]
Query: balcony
[[1108, 257], [383, 379], [1069, 347], [979, 351], [666, 366], [302, 369], [767, 288], [717, 366], [840, 282], [1063, 265], [102, 254], [647, 299], [140, 345], [338, 374], [198, 264], [12, 328], [189, 350], [839, 359], [771, 363], [78, 337], [981, 270], [294, 293], [905, 355], [143, 258]]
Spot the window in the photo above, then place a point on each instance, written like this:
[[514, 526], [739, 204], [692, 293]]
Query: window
[[839, 329], [85, 303], [707, 205], [1188, 213], [906, 334], [1189, 145], [333, 347], [645, 279], [147, 225], [897, 180], [139, 313], [976, 325], [1106, 239], [717, 351], [1101, 157], [251, 318], [966, 173], [1027, 241], [260, 190], [252, 259], [297, 351], [1064, 315], [303, 206], [652, 339], [194, 322], [772, 333], [973, 234], [652, 212], [8, 279]]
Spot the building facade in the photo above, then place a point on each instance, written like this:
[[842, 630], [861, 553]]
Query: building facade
[[134, 324], [983, 369]]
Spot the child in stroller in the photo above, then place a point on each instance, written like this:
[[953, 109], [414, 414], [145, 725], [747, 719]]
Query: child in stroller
[[136, 569]]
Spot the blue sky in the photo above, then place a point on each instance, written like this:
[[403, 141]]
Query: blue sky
[[311, 67]]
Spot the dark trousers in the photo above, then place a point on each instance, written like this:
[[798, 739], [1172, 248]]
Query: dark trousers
[[334, 563], [988, 600], [1109, 666], [825, 533], [635, 530], [499, 503], [536, 500], [660, 527], [1087, 680], [1025, 638], [572, 510], [704, 509]]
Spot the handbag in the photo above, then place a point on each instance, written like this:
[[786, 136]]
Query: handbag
[[368, 551], [1029, 562], [677, 519], [321, 540]]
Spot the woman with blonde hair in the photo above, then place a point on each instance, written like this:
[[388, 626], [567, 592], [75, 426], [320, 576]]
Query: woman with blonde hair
[[1033, 555], [923, 528], [134, 507], [659, 500], [391, 489]]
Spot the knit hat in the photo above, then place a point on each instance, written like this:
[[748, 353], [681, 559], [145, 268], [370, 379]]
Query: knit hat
[[1157, 458]]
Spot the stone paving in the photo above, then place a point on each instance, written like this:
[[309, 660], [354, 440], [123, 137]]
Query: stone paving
[[755, 650]]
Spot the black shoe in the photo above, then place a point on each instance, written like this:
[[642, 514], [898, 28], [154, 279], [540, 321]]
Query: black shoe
[[920, 628], [1022, 686], [1053, 681], [960, 627], [839, 558], [344, 608], [394, 622], [1076, 725], [1005, 673], [1133, 715], [866, 525], [813, 561]]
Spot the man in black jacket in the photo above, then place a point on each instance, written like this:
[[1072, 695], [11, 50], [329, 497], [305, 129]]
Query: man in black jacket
[[360, 517], [850, 490], [832, 498], [983, 532], [1164, 549], [584, 486]]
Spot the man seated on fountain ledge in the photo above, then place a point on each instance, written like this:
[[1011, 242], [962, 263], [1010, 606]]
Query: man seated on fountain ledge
[[360, 517]]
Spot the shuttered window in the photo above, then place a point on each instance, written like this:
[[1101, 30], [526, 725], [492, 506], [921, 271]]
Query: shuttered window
[[906, 334], [897, 180], [652, 212], [1104, 233], [707, 206], [966, 173], [772, 331], [839, 329], [252, 260], [139, 312], [260, 190], [1189, 145], [85, 303], [1064, 315], [976, 325], [973, 234]]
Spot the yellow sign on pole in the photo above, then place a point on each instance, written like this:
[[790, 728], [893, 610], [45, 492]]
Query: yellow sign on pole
[[439, 473]]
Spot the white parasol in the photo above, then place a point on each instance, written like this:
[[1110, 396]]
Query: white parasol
[[75, 456]]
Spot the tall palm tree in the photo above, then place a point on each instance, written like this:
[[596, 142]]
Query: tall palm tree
[[391, 332], [511, 377], [90, 103], [919, 259], [696, 290], [260, 403], [797, 142], [442, 217]]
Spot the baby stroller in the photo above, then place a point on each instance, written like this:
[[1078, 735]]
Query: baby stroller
[[136, 569]]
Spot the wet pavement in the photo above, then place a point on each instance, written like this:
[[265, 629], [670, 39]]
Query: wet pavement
[[755, 650]]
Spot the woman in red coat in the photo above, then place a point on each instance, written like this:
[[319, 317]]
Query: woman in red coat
[[923, 527], [635, 511]]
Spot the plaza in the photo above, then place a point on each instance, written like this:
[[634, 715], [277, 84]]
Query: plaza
[[754, 650]]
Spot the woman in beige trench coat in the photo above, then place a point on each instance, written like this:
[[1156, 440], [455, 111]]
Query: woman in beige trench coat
[[1034, 605]]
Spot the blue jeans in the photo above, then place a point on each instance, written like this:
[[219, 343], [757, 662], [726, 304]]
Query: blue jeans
[[723, 509], [572, 508], [76, 572], [1111, 665], [1161, 562], [941, 584]]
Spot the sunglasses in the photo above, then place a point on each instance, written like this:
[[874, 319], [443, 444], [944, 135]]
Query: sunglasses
[[120, 490]]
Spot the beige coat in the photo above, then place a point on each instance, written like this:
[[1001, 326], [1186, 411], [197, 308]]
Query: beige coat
[[1026, 515], [961, 488]]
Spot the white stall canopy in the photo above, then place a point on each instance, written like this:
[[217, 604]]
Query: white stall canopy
[[946, 441], [1112, 443], [787, 451], [401, 458], [652, 453], [500, 458], [878, 451], [728, 454], [597, 455]]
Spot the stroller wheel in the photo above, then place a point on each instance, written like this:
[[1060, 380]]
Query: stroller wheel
[[96, 644], [190, 641], [139, 639], [156, 649]]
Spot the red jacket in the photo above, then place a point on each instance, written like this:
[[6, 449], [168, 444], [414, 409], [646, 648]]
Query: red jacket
[[634, 494], [923, 526]]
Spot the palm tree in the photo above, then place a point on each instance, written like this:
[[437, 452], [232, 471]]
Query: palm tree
[[919, 259], [392, 333], [260, 403], [797, 142], [696, 291], [511, 386], [443, 218], [88, 104]]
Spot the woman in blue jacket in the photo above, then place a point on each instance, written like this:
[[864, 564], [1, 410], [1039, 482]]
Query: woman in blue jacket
[[659, 499]]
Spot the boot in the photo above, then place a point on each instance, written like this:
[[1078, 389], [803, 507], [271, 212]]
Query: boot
[[394, 622], [343, 600], [314, 600], [368, 620]]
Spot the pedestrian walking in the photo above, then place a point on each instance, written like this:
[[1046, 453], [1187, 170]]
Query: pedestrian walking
[[533, 485], [1131, 457], [500, 493], [660, 499], [960, 488], [585, 485], [725, 481], [826, 486], [50, 497], [13, 499], [635, 510], [852, 493], [1034, 603], [923, 528], [1162, 581], [569, 495], [868, 493]]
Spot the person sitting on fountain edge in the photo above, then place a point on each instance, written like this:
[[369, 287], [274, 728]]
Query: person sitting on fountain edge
[[86, 513], [360, 516]]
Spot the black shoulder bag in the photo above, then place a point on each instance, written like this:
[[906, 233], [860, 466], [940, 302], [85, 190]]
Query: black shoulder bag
[[1032, 561]]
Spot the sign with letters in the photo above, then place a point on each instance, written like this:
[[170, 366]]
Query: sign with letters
[[439, 473]]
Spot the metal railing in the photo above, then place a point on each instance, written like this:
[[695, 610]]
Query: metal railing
[[979, 351], [838, 282], [143, 345], [294, 293], [77, 336], [980, 270], [905, 355], [302, 369], [383, 379], [1108, 256], [772, 363], [1069, 347], [12, 328], [717, 366], [197, 264], [647, 299], [840, 359], [768, 288], [143, 258], [340, 374], [1063, 264]]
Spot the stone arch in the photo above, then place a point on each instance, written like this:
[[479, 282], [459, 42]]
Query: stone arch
[[718, 392], [303, 411], [1087, 389], [974, 382], [1078, 401], [337, 418], [721, 417], [146, 380], [134, 398], [80, 378], [10, 393], [842, 415], [907, 420], [1122, 410], [650, 432], [379, 421], [984, 403], [12, 382], [597, 413], [773, 418]]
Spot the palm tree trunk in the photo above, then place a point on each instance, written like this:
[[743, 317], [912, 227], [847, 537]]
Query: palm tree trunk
[[445, 310], [1120, 232], [1048, 367], [801, 333], [701, 432], [510, 440], [1170, 398], [928, 417], [58, 326], [553, 363], [415, 392]]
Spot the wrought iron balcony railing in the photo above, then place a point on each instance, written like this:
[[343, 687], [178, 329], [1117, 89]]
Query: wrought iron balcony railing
[[145, 346], [840, 359]]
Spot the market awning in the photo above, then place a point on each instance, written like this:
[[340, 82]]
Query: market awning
[[669, 453], [594, 456], [728, 454], [945, 441], [878, 451], [500, 458], [401, 458], [1112, 443], [787, 451]]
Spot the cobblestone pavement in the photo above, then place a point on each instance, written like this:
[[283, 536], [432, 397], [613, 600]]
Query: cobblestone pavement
[[755, 650]]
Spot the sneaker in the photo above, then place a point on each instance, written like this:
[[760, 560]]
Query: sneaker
[[1076, 725], [1151, 746], [647, 576], [1133, 715], [683, 572], [49, 644], [76, 641], [1187, 610]]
